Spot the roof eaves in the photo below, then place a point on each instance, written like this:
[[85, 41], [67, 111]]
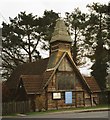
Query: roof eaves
[[97, 88]]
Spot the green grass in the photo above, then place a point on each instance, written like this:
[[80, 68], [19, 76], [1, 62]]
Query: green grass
[[68, 109], [65, 109]]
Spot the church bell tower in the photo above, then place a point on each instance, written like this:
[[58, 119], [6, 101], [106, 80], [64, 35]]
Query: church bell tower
[[60, 41]]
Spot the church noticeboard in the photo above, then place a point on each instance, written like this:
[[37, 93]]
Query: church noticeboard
[[68, 97], [56, 96]]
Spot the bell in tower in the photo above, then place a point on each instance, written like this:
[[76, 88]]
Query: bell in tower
[[60, 41]]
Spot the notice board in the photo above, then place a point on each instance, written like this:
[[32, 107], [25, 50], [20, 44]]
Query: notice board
[[68, 97]]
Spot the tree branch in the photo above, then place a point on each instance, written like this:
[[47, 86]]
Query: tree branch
[[14, 59]]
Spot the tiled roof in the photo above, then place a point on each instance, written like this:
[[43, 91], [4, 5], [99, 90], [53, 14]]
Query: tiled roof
[[34, 68], [36, 75], [32, 83], [92, 84]]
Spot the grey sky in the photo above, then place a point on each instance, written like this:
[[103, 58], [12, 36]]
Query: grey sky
[[10, 8]]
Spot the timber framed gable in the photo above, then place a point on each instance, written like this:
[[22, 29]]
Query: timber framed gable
[[70, 70]]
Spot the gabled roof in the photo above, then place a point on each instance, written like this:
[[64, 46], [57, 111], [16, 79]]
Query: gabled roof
[[36, 83], [60, 55], [36, 76], [92, 84], [32, 83], [33, 68]]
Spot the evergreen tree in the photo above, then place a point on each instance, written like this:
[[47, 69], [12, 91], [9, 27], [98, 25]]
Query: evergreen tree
[[46, 27], [98, 31], [108, 29], [22, 38], [76, 22]]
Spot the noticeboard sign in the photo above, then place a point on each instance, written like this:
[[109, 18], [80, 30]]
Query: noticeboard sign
[[57, 95], [68, 97]]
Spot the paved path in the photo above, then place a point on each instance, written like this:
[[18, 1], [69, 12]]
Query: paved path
[[93, 113], [99, 114]]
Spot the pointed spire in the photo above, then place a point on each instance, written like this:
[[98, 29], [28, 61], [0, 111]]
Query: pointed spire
[[60, 32]]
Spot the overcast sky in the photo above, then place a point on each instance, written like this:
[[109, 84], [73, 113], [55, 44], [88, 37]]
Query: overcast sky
[[11, 8]]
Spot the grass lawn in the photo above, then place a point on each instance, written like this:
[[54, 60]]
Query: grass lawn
[[69, 109], [65, 109]]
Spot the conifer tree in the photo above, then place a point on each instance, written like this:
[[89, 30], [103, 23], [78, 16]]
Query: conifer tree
[[76, 22], [22, 37], [98, 21]]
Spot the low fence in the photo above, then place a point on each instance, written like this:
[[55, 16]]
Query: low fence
[[15, 107]]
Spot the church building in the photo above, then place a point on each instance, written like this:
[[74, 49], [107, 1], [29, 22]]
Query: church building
[[55, 82]]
